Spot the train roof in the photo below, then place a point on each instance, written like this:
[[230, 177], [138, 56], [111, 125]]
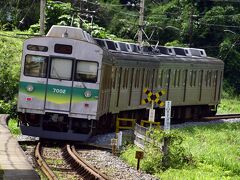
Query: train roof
[[165, 59], [70, 33], [130, 51]]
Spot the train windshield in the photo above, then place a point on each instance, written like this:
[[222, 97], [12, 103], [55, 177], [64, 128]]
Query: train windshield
[[61, 69], [35, 66], [86, 71]]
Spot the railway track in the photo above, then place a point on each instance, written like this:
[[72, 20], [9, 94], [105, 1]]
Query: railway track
[[77, 164], [43, 165], [222, 116], [84, 169]]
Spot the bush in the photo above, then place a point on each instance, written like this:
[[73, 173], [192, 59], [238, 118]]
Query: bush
[[176, 156], [7, 27]]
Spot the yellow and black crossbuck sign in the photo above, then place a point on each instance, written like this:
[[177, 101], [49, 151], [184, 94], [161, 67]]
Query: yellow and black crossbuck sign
[[153, 97]]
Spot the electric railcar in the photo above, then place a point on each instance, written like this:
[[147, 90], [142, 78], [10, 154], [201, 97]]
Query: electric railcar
[[72, 85]]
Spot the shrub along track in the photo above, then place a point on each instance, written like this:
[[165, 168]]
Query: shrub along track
[[65, 163]]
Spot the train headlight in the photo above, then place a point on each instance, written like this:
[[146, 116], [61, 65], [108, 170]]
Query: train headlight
[[87, 94], [30, 88]]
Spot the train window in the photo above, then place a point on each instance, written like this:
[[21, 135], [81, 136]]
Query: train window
[[156, 78], [215, 78], [206, 78], [35, 66], [161, 77], [167, 80], [114, 77], [184, 75], [137, 78], [191, 78], [210, 78], [126, 78], [86, 71], [32, 47], [175, 78], [200, 78], [153, 78], [63, 49], [61, 69], [179, 78], [194, 78]]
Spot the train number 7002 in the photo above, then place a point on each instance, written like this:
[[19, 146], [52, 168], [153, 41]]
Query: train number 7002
[[59, 91]]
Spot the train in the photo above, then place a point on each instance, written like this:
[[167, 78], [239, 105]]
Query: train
[[73, 85]]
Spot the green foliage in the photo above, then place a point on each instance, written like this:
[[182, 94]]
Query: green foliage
[[176, 156], [10, 51], [214, 149], [58, 13], [10, 55], [13, 127], [35, 28]]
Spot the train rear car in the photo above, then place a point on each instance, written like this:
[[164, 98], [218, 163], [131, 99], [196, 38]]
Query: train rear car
[[59, 85]]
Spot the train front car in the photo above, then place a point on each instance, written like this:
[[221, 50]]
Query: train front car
[[59, 85]]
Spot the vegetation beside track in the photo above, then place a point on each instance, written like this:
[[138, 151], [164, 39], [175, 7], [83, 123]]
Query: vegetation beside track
[[13, 126], [214, 149]]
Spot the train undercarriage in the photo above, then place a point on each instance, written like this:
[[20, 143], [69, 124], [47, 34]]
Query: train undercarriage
[[60, 126]]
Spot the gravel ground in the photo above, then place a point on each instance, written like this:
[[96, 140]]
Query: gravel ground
[[112, 166]]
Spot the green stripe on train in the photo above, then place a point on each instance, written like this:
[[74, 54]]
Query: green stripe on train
[[58, 94]]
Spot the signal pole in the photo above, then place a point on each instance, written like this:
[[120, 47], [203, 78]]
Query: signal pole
[[42, 17], [141, 18]]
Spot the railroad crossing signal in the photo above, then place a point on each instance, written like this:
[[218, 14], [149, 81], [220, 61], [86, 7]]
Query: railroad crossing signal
[[153, 97]]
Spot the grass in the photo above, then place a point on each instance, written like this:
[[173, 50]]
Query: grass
[[215, 150], [229, 106], [1, 173], [13, 127]]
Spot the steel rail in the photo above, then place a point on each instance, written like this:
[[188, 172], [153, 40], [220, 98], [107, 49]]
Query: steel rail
[[86, 171], [43, 165], [222, 116]]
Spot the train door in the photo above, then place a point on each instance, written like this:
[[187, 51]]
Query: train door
[[59, 84]]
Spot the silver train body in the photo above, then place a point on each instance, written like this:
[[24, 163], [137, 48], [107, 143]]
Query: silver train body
[[71, 87]]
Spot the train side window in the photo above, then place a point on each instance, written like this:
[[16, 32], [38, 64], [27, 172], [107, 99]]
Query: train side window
[[191, 78], [136, 78], [200, 77], [184, 79], [35, 66], [146, 79], [86, 71], [114, 77], [61, 69], [156, 78], [153, 78], [161, 77], [175, 78], [168, 78], [215, 78], [194, 76], [127, 75], [124, 78], [179, 78], [207, 78], [210, 78]]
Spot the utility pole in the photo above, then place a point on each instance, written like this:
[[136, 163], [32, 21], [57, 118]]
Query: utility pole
[[42, 17], [141, 18]]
